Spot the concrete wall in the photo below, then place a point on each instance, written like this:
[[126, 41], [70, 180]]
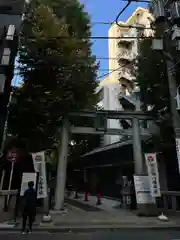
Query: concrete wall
[[110, 101]]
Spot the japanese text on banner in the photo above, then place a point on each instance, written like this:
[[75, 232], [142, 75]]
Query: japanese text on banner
[[40, 167], [153, 173]]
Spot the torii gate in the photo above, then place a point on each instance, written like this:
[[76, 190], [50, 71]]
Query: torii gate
[[135, 132]]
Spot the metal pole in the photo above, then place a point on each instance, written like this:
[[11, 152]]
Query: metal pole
[[137, 148], [85, 175], [62, 165], [173, 104], [10, 180], [5, 126], [2, 180], [172, 89]]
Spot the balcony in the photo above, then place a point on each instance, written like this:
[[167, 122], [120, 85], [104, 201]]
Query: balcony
[[125, 73], [126, 55], [127, 37]]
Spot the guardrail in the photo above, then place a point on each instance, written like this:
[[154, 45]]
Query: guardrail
[[169, 201], [8, 192]]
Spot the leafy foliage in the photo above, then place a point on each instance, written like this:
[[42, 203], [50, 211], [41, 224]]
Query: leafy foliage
[[57, 67], [152, 79]]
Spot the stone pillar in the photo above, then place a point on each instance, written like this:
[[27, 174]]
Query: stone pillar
[[137, 148], [140, 167], [62, 165]]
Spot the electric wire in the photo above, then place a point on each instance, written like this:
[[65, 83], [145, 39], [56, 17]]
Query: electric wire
[[120, 25], [128, 26], [110, 72], [121, 12], [94, 37]]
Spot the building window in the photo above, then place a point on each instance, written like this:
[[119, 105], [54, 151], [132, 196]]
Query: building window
[[6, 56]]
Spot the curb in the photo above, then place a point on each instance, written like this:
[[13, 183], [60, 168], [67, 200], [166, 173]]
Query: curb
[[91, 228]]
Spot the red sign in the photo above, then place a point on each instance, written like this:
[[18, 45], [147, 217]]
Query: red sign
[[12, 155], [150, 158]]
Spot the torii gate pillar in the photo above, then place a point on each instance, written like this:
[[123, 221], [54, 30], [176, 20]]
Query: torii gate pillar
[[62, 166]]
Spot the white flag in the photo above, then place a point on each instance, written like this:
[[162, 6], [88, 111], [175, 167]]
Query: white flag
[[40, 167], [153, 173]]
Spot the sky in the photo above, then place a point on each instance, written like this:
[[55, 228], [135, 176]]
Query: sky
[[105, 11]]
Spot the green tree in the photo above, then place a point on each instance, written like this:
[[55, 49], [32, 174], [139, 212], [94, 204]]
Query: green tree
[[57, 67], [152, 78]]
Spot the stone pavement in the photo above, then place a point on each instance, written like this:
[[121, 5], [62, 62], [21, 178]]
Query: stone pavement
[[108, 205], [78, 218]]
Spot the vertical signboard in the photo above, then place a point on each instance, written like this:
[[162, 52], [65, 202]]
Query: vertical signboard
[[153, 173], [40, 167], [27, 177], [142, 189]]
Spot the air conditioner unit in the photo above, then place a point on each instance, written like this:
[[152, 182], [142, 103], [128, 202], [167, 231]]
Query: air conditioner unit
[[157, 44]]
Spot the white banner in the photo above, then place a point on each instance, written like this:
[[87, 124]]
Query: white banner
[[27, 177], [142, 189], [153, 173], [40, 167]]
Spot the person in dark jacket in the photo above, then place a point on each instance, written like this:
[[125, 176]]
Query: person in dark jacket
[[29, 211]]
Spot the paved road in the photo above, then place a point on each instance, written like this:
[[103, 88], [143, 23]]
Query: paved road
[[106, 235]]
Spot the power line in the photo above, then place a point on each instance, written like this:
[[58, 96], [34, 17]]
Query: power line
[[129, 26], [97, 37], [138, 1], [120, 25], [110, 71], [121, 12], [102, 23], [63, 69], [114, 70], [107, 58], [107, 74]]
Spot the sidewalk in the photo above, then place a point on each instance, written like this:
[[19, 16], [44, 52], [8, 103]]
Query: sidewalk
[[108, 205], [79, 221], [108, 218]]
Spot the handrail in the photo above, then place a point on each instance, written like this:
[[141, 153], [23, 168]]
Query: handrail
[[170, 193], [8, 192]]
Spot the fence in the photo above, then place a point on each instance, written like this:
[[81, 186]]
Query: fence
[[169, 201]]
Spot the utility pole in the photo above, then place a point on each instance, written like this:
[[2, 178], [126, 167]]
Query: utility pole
[[166, 24], [174, 112]]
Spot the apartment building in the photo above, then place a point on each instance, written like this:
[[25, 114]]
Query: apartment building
[[10, 22], [118, 90], [124, 49]]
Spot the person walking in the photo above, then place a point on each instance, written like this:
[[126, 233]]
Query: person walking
[[29, 211]]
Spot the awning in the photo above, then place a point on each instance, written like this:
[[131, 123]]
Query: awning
[[118, 144]]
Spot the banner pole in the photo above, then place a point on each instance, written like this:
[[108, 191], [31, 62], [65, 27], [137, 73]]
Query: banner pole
[[10, 180]]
